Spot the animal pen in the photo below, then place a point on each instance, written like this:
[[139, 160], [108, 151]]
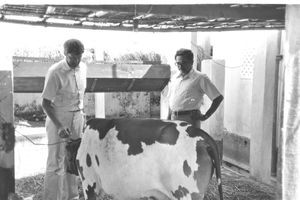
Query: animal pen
[[259, 154]]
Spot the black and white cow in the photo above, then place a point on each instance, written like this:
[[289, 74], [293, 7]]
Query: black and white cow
[[153, 159]]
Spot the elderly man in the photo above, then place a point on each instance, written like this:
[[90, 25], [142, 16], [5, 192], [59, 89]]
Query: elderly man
[[63, 94], [186, 90]]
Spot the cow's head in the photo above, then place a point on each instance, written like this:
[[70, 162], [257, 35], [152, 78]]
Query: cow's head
[[72, 148]]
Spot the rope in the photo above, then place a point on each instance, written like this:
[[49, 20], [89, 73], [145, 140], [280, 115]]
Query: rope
[[49, 144]]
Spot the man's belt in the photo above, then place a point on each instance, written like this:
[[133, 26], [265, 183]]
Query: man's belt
[[76, 110], [183, 112]]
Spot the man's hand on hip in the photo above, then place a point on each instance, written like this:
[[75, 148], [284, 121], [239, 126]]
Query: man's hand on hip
[[197, 115]]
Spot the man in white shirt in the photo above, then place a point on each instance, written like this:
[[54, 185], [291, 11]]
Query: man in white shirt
[[63, 94], [186, 90]]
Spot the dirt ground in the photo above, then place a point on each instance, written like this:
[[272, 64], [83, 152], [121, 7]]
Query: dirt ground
[[235, 187], [30, 164]]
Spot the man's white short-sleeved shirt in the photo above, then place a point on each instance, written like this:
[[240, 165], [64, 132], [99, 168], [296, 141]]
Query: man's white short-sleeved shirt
[[65, 86], [186, 93]]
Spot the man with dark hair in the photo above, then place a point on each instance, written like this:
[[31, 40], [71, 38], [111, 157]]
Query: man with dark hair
[[63, 94], [186, 90]]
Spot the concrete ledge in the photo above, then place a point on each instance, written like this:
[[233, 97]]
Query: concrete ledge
[[236, 150]]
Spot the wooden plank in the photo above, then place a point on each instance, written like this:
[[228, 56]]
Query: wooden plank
[[124, 85], [140, 29], [36, 84], [36, 67], [7, 135], [28, 84], [102, 77], [210, 11]]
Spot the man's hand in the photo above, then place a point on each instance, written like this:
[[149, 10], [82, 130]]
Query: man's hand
[[64, 132], [197, 115]]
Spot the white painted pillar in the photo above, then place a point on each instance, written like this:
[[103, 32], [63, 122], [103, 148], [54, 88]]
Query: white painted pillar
[[291, 130], [164, 104], [215, 70], [100, 105], [263, 107]]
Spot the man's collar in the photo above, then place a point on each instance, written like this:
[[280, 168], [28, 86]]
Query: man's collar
[[178, 75], [68, 68]]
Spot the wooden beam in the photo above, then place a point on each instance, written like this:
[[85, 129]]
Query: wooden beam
[[208, 11], [37, 67], [36, 84], [125, 85], [102, 77], [151, 29]]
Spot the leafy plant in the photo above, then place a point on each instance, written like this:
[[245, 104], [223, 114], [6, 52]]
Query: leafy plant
[[140, 56], [30, 112]]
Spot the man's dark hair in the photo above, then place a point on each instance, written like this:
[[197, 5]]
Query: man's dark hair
[[73, 46], [185, 53]]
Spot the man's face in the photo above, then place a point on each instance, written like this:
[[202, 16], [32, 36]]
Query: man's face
[[73, 59], [184, 65]]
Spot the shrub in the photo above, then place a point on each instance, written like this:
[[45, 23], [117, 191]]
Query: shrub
[[30, 112]]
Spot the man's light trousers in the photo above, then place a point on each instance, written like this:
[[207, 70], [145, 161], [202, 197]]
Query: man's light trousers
[[58, 184]]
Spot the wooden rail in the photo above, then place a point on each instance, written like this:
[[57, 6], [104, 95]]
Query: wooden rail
[[36, 84]]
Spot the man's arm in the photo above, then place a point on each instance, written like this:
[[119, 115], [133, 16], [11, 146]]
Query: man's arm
[[62, 131], [213, 107]]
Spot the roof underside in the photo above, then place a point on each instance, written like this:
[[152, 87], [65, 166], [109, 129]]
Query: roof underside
[[153, 18]]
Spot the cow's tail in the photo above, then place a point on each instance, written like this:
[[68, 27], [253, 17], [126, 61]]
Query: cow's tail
[[213, 151]]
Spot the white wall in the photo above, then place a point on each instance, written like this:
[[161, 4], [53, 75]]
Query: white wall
[[238, 49]]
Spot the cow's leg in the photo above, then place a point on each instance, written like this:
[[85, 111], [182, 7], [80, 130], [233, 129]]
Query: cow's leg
[[92, 188], [91, 182], [204, 172]]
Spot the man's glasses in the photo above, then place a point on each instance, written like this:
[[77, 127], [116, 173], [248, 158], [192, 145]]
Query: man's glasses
[[181, 63], [74, 56]]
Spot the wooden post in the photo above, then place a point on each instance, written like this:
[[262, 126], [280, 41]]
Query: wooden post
[[291, 131], [263, 109], [7, 139]]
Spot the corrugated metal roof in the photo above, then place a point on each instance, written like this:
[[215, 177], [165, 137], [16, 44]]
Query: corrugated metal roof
[[154, 18]]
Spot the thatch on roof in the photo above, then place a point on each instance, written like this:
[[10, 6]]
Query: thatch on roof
[[153, 18]]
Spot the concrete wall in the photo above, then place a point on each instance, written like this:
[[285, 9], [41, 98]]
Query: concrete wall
[[239, 50], [127, 104], [250, 98]]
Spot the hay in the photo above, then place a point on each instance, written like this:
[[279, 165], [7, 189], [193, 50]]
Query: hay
[[235, 187], [239, 187]]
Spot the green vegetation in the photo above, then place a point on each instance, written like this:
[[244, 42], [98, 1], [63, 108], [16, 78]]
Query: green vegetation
[[30, 112]]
